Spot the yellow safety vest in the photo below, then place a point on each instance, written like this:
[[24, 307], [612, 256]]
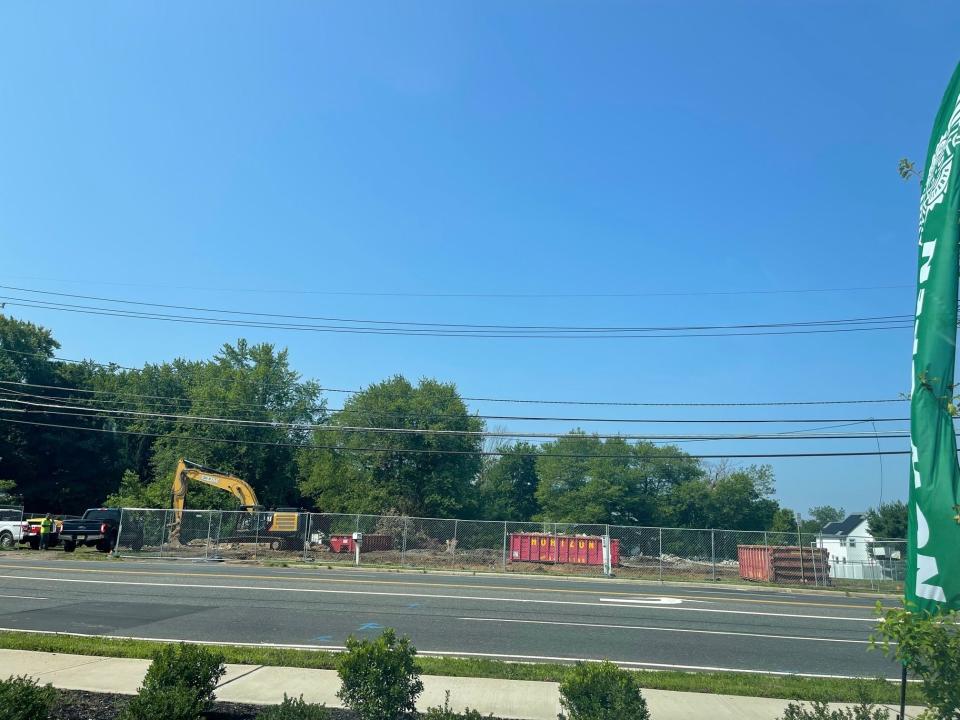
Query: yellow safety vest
[[45, 526]]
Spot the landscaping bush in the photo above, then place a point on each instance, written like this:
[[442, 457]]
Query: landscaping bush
[[820, 711], [602, 691], [187, 667], [179, 684], [294, 709], [173, 703], [380, 677], [447, 713], [929, 645], [22, 698]]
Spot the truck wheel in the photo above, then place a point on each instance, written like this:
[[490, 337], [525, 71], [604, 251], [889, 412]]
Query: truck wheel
[[6, 539], [34, 543], [69, 546]]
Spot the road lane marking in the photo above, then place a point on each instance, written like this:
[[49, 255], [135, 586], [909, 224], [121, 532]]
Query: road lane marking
[[663, 629], [527, 601], [24, 597], [454, 653], [506, 588], [643, 600]]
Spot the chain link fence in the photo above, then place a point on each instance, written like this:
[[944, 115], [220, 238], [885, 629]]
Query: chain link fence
[[592, 550]]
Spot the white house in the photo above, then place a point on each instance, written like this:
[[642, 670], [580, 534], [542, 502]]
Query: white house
[[849, 544]]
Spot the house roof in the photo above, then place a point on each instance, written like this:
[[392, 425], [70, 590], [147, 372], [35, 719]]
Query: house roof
[[845, 527]]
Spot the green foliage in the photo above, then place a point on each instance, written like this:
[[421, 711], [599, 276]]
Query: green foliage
[[294, 709], [22, 698], [400, 479], [380, 678], [447, 713], [173, 703], [730, 499], [192, 669], [508, 484], [8, 493], [821, 711], [889, 521], [602, 691], [622, 484], [929, 645]]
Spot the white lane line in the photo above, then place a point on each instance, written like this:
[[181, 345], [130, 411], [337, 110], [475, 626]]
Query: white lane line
[[664, 629], [501, 600], [24, 597], [644, 600], [456, 653]]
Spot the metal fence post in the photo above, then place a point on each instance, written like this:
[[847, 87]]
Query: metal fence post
[[504, 545], [713, 553], [453, 543], [306, 536], [165, 533], [206, 551], [660, 554], [256, 535], [116, 545], [403, 547]]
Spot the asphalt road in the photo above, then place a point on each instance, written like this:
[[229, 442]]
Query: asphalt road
[[516, 618]]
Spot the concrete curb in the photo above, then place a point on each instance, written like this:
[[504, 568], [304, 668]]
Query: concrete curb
[[260, 685]]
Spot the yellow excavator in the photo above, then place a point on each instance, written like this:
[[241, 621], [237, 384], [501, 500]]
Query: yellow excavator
[[277, 527]]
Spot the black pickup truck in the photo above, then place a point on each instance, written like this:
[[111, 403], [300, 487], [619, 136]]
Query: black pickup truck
[[98, 527]]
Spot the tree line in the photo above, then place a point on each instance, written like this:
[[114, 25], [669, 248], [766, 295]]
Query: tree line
[[78, 434]]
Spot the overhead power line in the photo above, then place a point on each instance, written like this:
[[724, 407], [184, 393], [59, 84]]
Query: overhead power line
[[420, 329], [478, 294], [693, 421], [487, 453], [90, 411], [524, 401]]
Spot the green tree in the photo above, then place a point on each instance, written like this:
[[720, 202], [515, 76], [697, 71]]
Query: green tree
[[739, 499], [888, 522], [508, 485], [588, 480], [56, 468], [820, 517], [412, 473]]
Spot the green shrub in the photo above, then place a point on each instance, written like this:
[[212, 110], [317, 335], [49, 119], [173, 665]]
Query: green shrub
[[820, 711], [22, 698], [192, 669], [294, 709], [929, 645], [602, 691], [380, 677], [172, 703], [447, 713]]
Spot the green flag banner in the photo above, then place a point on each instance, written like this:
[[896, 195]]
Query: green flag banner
[[933, 550]]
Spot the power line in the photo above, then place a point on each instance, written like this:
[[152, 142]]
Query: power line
[[752, 329], [428, 416], [489, 295], [451, 326], [486, 453], [89, 411], [689, 421], [591, 403]]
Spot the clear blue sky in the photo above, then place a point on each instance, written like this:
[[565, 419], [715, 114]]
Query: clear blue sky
[[192, 152]]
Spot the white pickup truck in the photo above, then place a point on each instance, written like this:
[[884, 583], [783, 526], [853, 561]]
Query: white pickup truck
[[11, 527]]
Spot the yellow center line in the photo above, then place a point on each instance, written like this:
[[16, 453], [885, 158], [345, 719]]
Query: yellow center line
[[451, 586]]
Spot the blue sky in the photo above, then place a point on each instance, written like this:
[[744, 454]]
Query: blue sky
[[199, 153]]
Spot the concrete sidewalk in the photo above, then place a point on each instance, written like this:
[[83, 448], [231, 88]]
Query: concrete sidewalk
[[260, 685]]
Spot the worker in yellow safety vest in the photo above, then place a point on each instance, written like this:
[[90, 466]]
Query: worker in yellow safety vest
[[46, 525]]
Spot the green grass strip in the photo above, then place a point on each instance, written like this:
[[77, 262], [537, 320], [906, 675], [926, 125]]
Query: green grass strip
[[722, 683]]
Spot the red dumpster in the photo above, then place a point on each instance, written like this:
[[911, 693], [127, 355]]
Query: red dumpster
[[572, 549], [789, 564], [345, 543]]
